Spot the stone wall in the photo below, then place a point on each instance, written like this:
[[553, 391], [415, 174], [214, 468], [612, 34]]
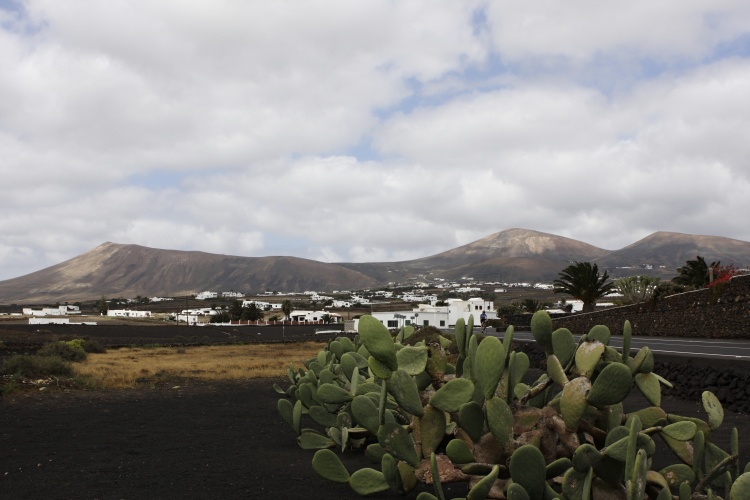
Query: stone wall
[[719, 312], [729, 380]]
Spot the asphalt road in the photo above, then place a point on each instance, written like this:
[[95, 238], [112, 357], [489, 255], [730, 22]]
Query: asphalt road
[[738, 350]]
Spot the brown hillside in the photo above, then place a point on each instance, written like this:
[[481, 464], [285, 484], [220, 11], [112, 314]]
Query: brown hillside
[[115, 270], [666, 251], [514, 255], [511, 255]]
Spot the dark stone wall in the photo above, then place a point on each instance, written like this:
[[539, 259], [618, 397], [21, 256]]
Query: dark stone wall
[[728, 380], [719, 312]]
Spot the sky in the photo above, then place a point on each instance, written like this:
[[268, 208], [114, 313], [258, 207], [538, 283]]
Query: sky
[[367, 131]]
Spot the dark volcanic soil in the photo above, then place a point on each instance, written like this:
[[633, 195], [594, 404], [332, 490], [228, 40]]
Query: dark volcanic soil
[[198, 440], [195, 440]]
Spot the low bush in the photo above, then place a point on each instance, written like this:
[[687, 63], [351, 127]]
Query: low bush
[[35, 366], [93, 347], [68, 351]]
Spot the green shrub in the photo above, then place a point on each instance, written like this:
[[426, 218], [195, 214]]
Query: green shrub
[[64, 350], [35, 366], [93, 346]]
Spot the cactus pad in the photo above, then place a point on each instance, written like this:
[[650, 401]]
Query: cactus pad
[[713, 407], [573, 402], [412, 359], [563, 345], [649, 386], [527, 468], [741, 488], [490, 362], [459, 452], [452, 395], [368, 482], [378, 341], [600, 333], [395, 440], [611, 386], [328, 465], [541, 329], [431, 429], [404, 390], [500, 420], [588, 356]]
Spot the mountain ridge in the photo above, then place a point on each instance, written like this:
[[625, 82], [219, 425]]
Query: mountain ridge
[[512, 255]]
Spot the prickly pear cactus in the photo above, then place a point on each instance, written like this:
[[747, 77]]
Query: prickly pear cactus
[[425, 413]]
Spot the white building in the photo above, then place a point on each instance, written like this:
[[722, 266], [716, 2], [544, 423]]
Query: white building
[[206, 295], [313, 316], [439, 316], [52, 311], [57, 321], [275, 306], [127, 313]]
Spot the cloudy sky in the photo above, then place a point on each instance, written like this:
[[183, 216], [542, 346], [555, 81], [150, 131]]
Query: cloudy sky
[[367, 130]]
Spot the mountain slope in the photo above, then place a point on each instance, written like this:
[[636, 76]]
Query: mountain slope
[[116, 270], [511, 255], [669, 251]]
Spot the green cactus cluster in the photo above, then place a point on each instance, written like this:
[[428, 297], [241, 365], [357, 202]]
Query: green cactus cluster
[[422, 415]]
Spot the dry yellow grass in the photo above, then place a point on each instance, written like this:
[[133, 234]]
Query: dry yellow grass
[[121, 368]]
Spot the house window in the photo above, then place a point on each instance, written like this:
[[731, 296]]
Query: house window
[[408, 322], [442, 322], [426, 323], [392, 323]]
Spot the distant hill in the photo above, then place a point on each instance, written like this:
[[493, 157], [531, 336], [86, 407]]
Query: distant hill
[[115, 270], [668, 251], [513, 255]]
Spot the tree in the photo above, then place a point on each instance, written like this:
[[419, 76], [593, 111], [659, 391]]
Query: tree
[[582, 281], [251, 312], [695, 273], [531, 305], [636, 289], [235, 310], [286, 308], [101, 306]]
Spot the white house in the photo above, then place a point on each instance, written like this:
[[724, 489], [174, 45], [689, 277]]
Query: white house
[[52, 311], [127, 313], [438, 316], [275, 306], [313, 316], [206, 295]]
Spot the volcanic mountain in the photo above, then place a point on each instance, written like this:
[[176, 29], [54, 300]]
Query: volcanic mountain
[[115, 270], [513, 255]]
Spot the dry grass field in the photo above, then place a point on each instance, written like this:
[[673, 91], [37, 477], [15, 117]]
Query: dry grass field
[[127, 367]]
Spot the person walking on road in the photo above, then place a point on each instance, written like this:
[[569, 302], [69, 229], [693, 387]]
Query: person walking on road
[[483, 319]]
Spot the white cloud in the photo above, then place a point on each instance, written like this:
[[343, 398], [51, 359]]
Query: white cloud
[[583, 30], [365, 132]]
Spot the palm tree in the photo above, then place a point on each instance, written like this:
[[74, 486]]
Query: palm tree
[[582, 281], [532, 305], [695, 273]]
